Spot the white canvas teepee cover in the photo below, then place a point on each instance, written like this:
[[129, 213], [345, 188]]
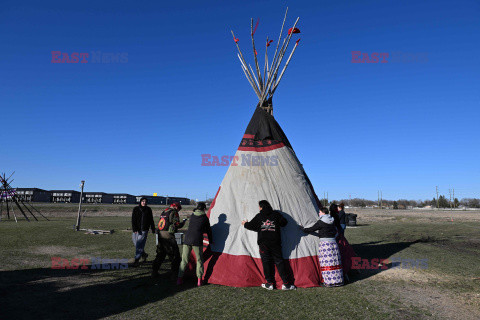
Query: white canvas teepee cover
[[265, 168]]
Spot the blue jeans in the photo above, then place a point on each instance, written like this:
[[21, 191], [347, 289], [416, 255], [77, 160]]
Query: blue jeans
[[139, 241], [344, 226]]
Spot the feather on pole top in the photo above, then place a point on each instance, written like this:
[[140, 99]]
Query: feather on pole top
[[293, 30]]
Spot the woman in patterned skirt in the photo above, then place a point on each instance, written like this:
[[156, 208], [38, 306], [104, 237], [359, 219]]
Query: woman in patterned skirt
[[328, 252]]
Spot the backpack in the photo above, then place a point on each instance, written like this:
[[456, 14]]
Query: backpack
[[164, 223]]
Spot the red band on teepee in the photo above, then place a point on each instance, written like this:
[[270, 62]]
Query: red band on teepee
[[262, 149], [248, 136]]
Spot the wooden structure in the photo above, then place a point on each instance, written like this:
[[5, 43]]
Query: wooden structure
[[8, 196]]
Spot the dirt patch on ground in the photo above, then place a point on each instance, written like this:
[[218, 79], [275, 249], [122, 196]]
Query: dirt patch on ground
[[410, 275], [440, 304], [57, 251], [414, 287]]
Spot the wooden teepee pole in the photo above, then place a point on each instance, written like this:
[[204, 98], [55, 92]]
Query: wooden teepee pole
[[282, 53], [284, 68], [266, 84], [260, 84], [250, 80], [244, 63]]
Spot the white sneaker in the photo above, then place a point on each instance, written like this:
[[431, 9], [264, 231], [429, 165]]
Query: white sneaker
[[288, 287], [267, 286]]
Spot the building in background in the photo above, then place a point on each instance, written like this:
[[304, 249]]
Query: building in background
[[65, 196], [33, 195], [182, 201], [72, 196], [152, 199], [97, 197], [123, 198], [164, 200]]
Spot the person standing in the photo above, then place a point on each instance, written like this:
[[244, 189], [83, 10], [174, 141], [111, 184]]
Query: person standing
[[142, 220], [198, 225], [328, 251], [267, 224], [336, 218], [167, 245], [341, 216]]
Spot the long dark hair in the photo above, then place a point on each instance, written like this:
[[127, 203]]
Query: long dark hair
[[266, 207], [333, 209]]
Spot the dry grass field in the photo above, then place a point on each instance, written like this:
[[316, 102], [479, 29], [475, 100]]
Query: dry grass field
[[447, 287]]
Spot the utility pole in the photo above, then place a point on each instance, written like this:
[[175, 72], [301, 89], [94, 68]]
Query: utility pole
[[436, 189], [77, 226], [450, 193], [454, 198], [381, 199]]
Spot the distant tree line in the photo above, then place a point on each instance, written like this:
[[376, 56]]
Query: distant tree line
[[443, 202]]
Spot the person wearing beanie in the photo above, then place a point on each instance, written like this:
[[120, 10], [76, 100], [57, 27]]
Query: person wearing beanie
[[199, 224]]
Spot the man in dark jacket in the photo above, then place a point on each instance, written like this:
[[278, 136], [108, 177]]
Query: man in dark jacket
[[198, 225], [268, 223], [167, 245], [142, 220]]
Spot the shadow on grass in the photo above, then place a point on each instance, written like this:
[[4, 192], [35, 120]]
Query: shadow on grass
[[46, 293], [376, 250]]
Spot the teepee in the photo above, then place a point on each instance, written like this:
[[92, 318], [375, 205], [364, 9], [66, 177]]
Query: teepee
[[265, 167]]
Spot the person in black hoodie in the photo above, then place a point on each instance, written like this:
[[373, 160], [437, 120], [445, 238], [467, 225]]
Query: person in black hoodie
[[328, 251], [142, 220], [198, 225], [268, 223]]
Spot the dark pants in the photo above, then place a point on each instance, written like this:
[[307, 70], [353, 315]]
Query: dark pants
[[167, 246], [272, 254]]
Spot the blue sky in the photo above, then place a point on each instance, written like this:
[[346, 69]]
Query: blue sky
[[141, 126]]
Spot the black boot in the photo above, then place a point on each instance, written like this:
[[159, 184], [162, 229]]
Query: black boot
[[136, 263], [144, 256]]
